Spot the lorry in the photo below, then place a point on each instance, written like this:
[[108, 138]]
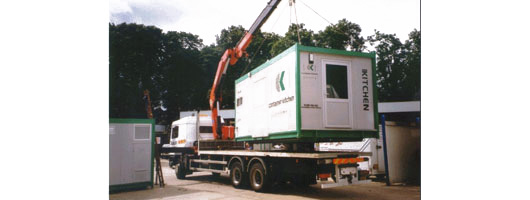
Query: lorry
[[260, 164], [281, 113]]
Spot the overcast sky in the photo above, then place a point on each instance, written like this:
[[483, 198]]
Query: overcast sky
[[207, 18]]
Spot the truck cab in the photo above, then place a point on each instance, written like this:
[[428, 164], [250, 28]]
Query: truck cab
[[183, 135], [184, 131]]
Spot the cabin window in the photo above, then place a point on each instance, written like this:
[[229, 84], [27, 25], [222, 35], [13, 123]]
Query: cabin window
[[141, 132], [336, 81]]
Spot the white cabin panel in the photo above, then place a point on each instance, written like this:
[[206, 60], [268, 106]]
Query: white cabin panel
[[267, 100], [363, 93], [311, 95]]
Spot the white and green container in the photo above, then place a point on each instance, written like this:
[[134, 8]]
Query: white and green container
[[308, 94], [131, 153]]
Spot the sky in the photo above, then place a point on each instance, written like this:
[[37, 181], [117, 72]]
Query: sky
[[207, 18]]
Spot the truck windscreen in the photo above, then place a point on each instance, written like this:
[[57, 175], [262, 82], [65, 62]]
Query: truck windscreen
[[175, 132]]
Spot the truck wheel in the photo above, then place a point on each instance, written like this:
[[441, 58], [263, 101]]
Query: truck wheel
[[173, 161], [259, 180], [237, 175], [171, 164], [180, 171]]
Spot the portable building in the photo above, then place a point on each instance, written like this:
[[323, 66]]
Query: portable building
[[131, 153], [308, 94]]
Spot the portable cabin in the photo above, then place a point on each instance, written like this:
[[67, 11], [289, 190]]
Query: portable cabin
[[131, 153], [308, 94]]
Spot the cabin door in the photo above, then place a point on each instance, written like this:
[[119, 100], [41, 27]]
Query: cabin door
[[141, 147], [336, 82]]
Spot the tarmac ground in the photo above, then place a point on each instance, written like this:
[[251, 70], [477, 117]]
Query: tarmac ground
[[202, 185]]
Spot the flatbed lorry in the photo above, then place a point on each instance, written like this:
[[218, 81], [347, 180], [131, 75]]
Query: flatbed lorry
[[262, 164], [327, 96]]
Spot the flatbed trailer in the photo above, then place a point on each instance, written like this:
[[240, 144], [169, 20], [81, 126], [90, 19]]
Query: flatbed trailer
[[261, 169]]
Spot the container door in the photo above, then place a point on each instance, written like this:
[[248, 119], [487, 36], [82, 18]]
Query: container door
[[142, 153], [336, 81]]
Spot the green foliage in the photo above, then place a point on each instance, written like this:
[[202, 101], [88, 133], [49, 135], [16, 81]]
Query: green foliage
[[343, 35], [167, 64], [181, 85], [133, 66], [291, 37], [178, 69], [209, 57], [398, 66], [412, 79]]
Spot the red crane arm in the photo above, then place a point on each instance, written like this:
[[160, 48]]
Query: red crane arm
[[230, 57], [147, 99]]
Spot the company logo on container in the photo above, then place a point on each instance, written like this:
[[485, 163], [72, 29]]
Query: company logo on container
[[311, 67], [279, 82]]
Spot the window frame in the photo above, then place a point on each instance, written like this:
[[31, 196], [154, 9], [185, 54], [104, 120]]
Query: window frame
[[148, 132]]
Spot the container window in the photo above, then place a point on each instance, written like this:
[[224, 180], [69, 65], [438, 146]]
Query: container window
[[175, 132], [205, 129], [141, 132], [336, 81]]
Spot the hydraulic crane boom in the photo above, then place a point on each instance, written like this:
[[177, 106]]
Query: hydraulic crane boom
[[230, 57], [147, 100]]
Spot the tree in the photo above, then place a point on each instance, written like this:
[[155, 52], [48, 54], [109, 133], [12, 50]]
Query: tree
[[209, 57], [167, 64], [291, 37], [412, 79], [398, 66], [260, 49], [182, 81], [134, 51], [344, 35]]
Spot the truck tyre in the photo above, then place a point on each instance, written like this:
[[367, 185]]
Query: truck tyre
[[171, 163], [237, 175], [180, 171], [259, 179]]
